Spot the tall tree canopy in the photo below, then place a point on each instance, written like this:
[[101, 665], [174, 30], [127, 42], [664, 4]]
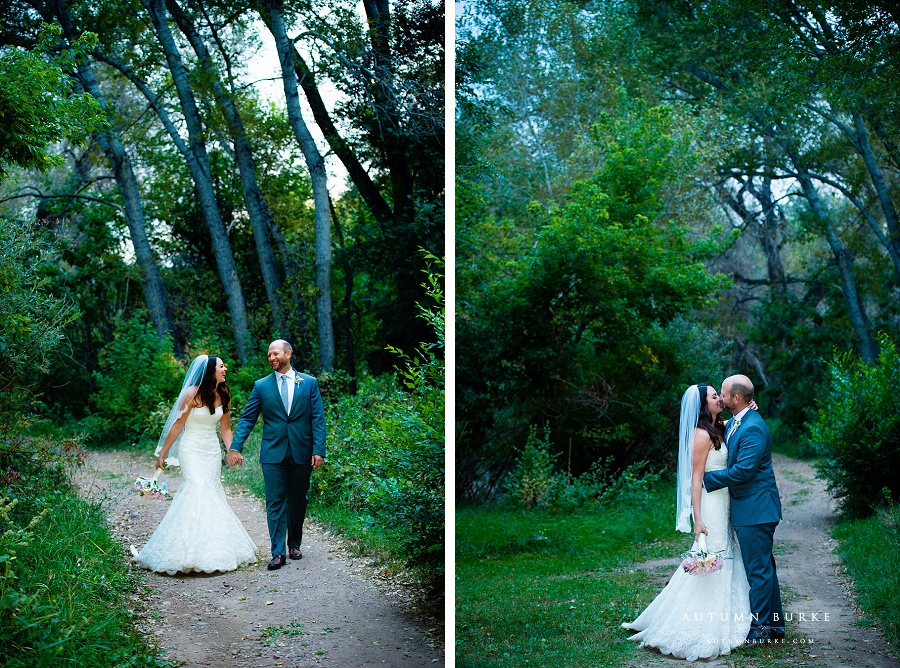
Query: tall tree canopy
[[205, 208], [757, 138]]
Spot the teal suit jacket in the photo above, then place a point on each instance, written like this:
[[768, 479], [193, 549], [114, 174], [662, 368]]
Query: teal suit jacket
[[302, 432], [749, 477]]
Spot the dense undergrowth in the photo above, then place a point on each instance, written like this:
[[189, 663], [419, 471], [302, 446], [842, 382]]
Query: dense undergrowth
[[64, 586]]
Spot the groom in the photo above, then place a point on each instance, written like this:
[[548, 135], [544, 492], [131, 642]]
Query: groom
[[293, 445], [755, 505]]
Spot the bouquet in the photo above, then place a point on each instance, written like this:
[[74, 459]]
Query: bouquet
[[700, 561], [152, 487]]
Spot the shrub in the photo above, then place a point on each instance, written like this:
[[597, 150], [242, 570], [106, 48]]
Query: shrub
[[386, 451], [31, 319], [534, 482], [138, 381], [857, 431]]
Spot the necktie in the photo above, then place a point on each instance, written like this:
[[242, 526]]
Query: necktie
[[730, 432], [284, 393]]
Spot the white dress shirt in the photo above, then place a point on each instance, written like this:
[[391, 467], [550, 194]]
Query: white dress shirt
[[289, 376], [739, 416]]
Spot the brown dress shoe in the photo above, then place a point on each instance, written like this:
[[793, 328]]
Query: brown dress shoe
[[277, 562], [295, 553]]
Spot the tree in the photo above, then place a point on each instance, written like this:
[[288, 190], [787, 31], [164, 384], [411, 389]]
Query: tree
[[38, 108], [275, 21], [111, 142], [578, 317], [390, 70], [257, 209], [198, 161]]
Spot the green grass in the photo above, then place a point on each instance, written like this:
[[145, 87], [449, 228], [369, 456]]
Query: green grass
[[67, 604], [541, 589], [869, 549]]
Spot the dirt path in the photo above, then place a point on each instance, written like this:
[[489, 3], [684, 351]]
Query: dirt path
[[812, 583], [323, 610]]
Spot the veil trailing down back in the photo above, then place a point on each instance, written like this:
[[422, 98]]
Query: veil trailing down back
[[199, 532], [699, 617], [186, 395]]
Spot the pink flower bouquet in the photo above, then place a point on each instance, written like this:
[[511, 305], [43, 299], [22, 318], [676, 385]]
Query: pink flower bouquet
[[701, 562]]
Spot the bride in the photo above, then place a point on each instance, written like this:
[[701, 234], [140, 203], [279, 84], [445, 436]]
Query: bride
[[199, 532], [700, 617]]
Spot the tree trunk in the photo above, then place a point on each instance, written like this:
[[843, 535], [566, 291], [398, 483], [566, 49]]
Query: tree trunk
[[877, 178], [302, 348], [257, 209], [368, 191], [111, 143], [379, 16], [316, 166], [770, 231], [346, 308], [198, 161], [867, 346]]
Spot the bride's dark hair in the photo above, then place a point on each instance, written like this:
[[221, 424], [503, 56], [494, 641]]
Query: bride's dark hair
[[208, 388], [715, 428]]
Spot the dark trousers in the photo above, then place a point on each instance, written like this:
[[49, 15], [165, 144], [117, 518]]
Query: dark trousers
[[765, 596], [287, 484]]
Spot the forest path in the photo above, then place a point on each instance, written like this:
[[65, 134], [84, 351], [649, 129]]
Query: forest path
[[322, 610], [812, 583]]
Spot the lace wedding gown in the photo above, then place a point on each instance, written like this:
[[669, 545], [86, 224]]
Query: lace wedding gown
[[199, 532], [701, 617]]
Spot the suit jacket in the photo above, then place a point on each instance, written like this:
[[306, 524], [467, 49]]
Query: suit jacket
[[749, 477], [303, 431]]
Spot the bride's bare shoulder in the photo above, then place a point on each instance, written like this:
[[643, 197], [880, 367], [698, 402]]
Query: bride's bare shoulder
[[702, 438]]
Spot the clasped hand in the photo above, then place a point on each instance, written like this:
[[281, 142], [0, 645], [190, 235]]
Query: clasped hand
[[235, 458], [699, 529]]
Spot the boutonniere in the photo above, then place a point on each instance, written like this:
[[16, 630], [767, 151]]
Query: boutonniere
[[737, 422], [297, 380]]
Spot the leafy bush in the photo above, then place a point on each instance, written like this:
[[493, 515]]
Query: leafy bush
[[138, 381], [535, 482], [31, 319], [386, 451], [857, 431]]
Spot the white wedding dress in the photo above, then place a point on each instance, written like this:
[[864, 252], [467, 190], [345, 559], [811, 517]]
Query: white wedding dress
[[701, 617], [199, 532]]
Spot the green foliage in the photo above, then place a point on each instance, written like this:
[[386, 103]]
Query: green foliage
[[137, 383], [857, 431], [66, 606], [535, 481], [37, 106], [31, 317], [869, 549], [386, 455], [587, 316]]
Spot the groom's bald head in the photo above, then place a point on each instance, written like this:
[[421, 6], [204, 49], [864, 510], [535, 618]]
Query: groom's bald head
[[737, 392], [281, 343]]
